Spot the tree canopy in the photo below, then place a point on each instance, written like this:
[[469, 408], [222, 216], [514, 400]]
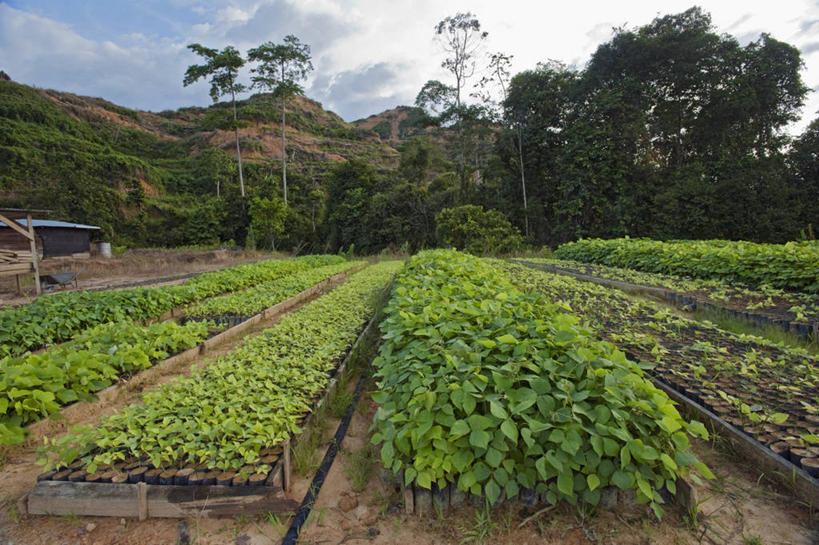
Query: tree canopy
[[222, 67]]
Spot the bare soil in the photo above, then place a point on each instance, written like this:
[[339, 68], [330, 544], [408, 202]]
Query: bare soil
[[144, 267], [18, 468], [736, 508]]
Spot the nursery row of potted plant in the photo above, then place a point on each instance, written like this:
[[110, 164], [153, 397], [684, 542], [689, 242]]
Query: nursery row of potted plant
[[754, 302], [236, 307], [231, 414], [505, 393], [56, 318], [767, 390], [790, 266], [34, 386]]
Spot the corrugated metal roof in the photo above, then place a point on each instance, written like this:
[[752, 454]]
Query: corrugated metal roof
[[53, 223]]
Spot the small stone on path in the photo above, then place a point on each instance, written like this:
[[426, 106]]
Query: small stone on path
[[347, 503]]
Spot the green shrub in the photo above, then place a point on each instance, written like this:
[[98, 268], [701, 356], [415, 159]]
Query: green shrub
[[475, 230]]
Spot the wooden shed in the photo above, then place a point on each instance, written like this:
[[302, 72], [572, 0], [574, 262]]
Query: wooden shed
[[23, 240], [53, 238]]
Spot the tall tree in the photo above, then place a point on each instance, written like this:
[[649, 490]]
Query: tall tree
[[804, 160], [280, 68], [498, 75], [534, 109], [223, 69], [461, 38], [213, 165]]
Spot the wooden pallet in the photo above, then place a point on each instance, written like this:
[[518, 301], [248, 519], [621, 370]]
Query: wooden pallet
[[144, 501]]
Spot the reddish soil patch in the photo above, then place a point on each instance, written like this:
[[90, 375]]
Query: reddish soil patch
[[150, 267]]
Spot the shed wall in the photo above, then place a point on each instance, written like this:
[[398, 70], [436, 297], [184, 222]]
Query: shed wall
[[63, 242]]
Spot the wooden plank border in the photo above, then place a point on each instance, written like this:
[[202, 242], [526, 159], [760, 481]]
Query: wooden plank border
[[142, 501]]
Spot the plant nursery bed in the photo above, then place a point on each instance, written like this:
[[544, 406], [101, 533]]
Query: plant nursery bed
[[75, 411], [763, 396], [135, 488], [275, 310], [801, 484], [757, 310]]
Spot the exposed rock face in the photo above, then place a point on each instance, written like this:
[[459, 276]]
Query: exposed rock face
[[4, 76]]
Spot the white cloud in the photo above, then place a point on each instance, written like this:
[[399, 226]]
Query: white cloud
[[146, 74], [357, 38]]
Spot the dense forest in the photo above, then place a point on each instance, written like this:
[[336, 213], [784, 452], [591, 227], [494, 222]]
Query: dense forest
[[671, 130]]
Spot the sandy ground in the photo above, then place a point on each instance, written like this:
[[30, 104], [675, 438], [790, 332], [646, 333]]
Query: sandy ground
[[131, 268], [734, 509]]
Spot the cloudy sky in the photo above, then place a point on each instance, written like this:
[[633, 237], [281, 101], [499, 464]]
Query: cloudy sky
[[369, 55]]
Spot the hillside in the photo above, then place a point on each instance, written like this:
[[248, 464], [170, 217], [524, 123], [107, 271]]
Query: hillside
[[139, 173], [397, 124]]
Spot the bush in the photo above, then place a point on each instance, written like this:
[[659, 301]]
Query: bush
[[477, 231]]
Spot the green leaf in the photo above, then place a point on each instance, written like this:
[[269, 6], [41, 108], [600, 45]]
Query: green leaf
[[668, 462], [493, 457], [459, 428], [779, 418], [507, 339], [409, 475], [493, 491], [644, 487], [670, 424], [698, 429], [497, 410], [512, 489], [557, 436], [387, 453], [424, 479], [622, 480], [593, 481], [565, 482], [478, 422], [479, 438], [462, 458], [703, 470], [572, 442], [510, 430]]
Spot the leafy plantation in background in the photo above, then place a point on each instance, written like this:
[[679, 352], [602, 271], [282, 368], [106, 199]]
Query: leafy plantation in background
[[671, 131], [792, 266], [56, 318]]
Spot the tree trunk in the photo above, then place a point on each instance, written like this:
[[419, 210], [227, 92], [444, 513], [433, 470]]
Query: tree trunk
[[523, 183], [313, 217], [461, 146], [284, 154], [238, 149]]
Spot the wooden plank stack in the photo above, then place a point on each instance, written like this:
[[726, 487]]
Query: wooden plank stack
[[15, 261]]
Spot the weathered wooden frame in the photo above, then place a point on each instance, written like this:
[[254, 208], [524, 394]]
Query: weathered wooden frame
[[24, 262]]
